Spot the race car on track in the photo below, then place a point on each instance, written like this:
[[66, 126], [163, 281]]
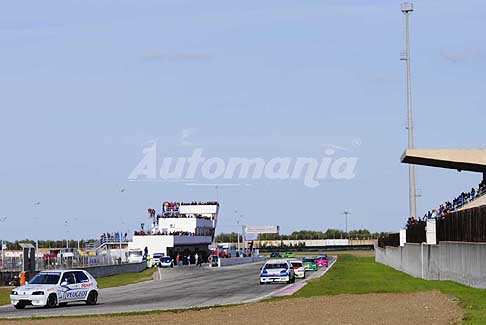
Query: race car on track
[[277, 271], [309, 263], [322, 261], [289, 255], [56, 288], [298, 267], [155, 261], [166, 261]]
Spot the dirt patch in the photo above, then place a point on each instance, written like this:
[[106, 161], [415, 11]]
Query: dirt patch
[[415, 308]]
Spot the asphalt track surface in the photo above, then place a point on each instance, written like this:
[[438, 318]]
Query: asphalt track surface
[[178, 288]]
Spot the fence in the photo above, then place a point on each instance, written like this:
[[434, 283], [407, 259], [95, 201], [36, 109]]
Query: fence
[[14, 264], [389, 240], [463, 226], [416, 232]]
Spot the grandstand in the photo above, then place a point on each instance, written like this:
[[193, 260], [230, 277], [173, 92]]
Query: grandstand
[[448, 243], [179, 228]]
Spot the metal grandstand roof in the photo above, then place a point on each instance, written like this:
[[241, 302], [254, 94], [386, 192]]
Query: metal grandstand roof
[[473, 160]]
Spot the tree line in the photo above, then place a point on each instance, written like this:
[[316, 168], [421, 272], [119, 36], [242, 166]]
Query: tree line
[[306, 235]]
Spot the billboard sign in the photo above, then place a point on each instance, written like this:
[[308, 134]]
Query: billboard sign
[[262, 229]]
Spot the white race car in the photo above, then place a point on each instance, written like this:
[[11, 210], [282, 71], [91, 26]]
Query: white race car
[[277, 271], [56, 288], [166, 261], [298, 267]]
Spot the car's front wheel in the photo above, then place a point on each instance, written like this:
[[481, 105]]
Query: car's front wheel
[[51, 301], [92, 298]]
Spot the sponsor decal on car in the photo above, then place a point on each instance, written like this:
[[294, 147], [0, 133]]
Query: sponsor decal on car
[[75, 294]]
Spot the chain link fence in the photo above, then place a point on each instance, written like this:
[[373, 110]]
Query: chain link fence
[[14, 264]]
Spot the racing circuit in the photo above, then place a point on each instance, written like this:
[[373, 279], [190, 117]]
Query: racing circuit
[[177, 288]]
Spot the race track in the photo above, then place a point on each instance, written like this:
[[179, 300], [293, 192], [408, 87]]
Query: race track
[[178, 288]]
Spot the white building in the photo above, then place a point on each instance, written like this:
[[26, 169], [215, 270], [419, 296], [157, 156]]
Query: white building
[[181, 228]]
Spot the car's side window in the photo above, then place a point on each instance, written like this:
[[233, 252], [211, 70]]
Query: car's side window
[[81, 277], [69, 278]]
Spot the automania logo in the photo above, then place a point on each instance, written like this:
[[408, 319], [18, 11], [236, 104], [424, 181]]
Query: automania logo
[[310, 170]]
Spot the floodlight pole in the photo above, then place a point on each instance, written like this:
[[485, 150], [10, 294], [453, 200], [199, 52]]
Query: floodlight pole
[[3, 219], [346, 214], [407, 9]]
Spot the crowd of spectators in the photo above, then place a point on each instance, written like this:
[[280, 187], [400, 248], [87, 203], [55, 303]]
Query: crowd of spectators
[[181, 215], [200, 203], [113, 236], [172, 233], [447, 207], [174, 206]]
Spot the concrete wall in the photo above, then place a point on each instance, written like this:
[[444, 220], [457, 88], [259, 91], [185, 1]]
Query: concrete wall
[[411, 259], [456, 261], [101, 271], [241, 260], [315, 242]]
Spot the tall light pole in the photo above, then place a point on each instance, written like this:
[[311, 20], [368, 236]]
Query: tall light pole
[[346, 214], [36, 205], [407, 9], [238, 219], [3, 219], [66, 225]]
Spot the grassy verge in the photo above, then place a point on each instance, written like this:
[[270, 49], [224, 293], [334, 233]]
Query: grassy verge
[[361, 275], [125, 278], [4, 296]]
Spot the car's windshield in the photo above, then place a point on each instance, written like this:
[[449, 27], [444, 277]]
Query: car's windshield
[[296, 264], [309, 260], [135, 253], [165, 259], [158, 255], [46, 278], [276, 266]]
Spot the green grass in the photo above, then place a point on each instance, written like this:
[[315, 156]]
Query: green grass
[[361, 275], [125, 278], [4, 296]]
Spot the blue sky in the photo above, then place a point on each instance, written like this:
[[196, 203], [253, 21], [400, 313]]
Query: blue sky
[[85, 84]]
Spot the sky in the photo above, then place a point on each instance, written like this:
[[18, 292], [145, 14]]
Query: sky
[[85, 86]]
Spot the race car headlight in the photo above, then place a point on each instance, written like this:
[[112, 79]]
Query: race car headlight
[[14, 293], [38, 293]]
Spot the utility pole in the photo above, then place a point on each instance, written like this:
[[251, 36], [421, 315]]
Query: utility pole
[[407, 9]]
